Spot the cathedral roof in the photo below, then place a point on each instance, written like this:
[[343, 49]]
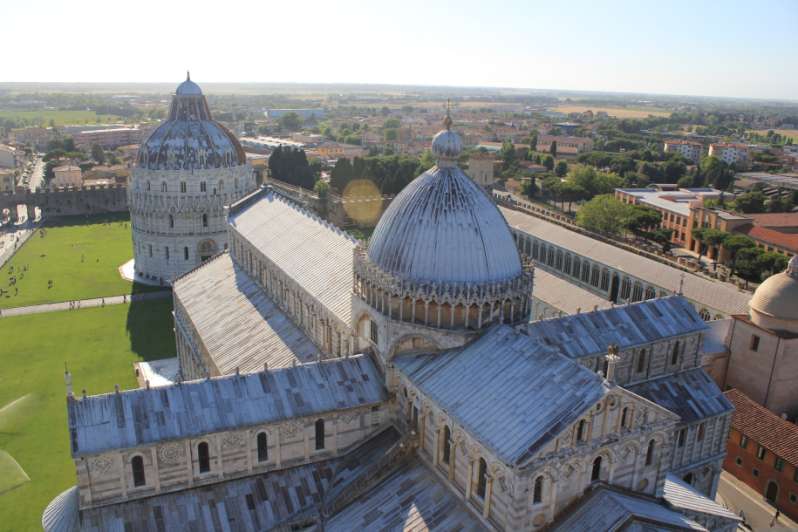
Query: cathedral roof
[[142, 416], [314, 253], [692, 395], [385, 507], [189, 139], [590, 333], [512, 393], [443, 228], [608, 508], [237, 322]]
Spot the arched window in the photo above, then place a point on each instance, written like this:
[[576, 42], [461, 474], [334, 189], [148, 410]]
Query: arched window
[[171, 221], [558, 260], [148, 186], [581, 431], [701, 430], [183, 187], [447, 444], [675, 354], [535, 249], [594, 276], [585, 271], [650, 293], [482, 478], [164, 188], [567, 267], [537, 494], [596, 473], [204, 457], [688, 478], [166, 250], [221, 185], [625, 417], [319, 434], [203, 186], [185, 253], [650, 452], [263, 447], [204, 220], [641, 361], [137, 465], [637, 292], [626, 288], [605, 279], [577, 267]]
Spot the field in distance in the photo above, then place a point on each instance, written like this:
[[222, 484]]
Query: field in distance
[[60, 118], [617, 112], [791, 133]]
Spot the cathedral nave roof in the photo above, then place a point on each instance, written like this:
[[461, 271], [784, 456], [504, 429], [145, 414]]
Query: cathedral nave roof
[[315, 254], [141, 416], [692, 395], [589, 333], [512, 393], [239, 325]]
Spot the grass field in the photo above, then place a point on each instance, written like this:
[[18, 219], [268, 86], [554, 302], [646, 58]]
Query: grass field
[[82, 260], [60, 118], [100, 345], [792, 133], [618, 112]]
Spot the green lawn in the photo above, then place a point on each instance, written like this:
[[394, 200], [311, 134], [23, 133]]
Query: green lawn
[[60, 117], [81, 258], [99, 345]]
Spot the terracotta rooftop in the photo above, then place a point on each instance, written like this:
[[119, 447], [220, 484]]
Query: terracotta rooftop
[[775, 434], [777, 236]]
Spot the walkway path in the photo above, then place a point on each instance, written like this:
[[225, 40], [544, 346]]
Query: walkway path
[[736, 496], [84, 303]]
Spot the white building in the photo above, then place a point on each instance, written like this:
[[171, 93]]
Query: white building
[[733, 154], [398, 386], [689, 149], [187, 171], [8, 156]]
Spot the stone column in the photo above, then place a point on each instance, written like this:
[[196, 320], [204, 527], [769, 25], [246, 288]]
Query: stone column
[[488, 494]]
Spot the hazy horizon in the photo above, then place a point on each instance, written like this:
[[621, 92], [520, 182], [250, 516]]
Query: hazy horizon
[[741, 50]]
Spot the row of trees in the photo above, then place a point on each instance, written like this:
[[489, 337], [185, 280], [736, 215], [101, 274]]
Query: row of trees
[[391, 173], [607, 215], [745, 258], [291, 165]]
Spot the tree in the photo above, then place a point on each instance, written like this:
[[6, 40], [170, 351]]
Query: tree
[[561, 169], [97, 153], [748, 264], [322, 188], [341, 174], [291, 165], [733, 244], [603, 214], [553, 148], [529, 188], [750, 202], [640, 219], [717, 173], [772, 262], [533, 140], [508, 155], [571, 192], [698, 234], [714, 238], [290, 121], [548, 162]]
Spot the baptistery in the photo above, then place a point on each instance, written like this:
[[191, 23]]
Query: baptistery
[[186, 171]]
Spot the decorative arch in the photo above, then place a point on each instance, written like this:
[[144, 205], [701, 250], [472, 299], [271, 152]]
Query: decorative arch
[[412, 344]]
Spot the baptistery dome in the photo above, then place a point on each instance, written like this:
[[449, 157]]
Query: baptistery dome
[[774, 304], [190, 139], [444, 228]]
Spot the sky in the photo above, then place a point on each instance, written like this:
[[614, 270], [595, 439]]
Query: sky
[[699, 47]]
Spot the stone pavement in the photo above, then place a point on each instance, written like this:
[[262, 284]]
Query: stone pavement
[[758, 514], [84, 303]]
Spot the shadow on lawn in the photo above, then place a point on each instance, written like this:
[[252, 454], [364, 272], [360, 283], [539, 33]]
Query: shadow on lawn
[[87, 219], [150, 326]]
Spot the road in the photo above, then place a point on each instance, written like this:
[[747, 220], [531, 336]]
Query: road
[[736, 496], [37, 175]]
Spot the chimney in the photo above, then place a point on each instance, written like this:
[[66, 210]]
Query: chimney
[[265, 366]]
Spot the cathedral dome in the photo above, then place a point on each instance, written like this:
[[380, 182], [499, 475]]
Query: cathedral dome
[[444, 229], [190, 139], [773, 305]]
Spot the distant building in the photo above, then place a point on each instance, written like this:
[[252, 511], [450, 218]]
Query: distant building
[[565, 145], [304, 114], [769, 184], [480, 168], [108, 138], [310, 139], [762, 451], [8, 156], [568, 128], [66, 176], [37, 137], [689, 149], [266, 145], [8, 180], [733, 154], [337, 150], [671, 202], [776, 232]]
